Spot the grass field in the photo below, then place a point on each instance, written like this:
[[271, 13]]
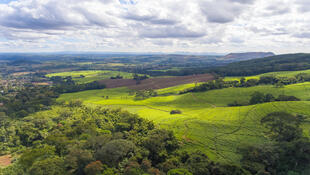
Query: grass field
[[276, 74], [92, 75], [206, 122]]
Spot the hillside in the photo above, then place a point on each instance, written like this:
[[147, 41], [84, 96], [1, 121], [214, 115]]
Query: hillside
[[286, 62], [206, 122], [246, 56]]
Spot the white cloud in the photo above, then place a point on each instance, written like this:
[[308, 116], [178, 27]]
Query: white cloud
[[161, 25]]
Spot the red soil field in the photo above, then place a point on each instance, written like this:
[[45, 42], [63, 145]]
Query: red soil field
[[5, 160], [157, 83]]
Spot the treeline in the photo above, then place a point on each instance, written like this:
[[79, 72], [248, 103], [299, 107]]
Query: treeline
[[67, 85], [31, 98], [79, 140], [144, 94], [286, 152], [287, 62], [27, 100], [263, 80], [259, 97]]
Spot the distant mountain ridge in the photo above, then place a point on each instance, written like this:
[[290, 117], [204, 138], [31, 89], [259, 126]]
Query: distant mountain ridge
[[246, 56], [285, 62]]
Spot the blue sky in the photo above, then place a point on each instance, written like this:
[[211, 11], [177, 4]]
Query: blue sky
[[280, 26], [5, 1]]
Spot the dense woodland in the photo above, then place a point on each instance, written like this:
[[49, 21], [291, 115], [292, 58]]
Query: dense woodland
[[31, 98]]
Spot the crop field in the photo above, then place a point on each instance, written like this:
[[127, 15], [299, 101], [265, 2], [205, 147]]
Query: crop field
[[206, 122], [276, 74], [157, 83], [93, 75]]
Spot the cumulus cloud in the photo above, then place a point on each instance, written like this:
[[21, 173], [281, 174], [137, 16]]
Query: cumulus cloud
[[223, 11], [153, 25], [170, 32], [304, 5]]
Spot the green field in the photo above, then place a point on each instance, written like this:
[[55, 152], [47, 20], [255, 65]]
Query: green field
[[276, 74], [206, 122], [92, 75]]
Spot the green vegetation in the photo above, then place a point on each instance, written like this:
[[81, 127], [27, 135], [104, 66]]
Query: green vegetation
[[92, 75], [281, 74], [257, 124], [206, 123], [288, 62], [286, 153], [75, 139]]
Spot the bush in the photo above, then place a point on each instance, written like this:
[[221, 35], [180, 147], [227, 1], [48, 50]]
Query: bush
[[287, 98], [175, 112]]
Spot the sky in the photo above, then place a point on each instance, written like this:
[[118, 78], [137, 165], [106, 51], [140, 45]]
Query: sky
[[222, 26]]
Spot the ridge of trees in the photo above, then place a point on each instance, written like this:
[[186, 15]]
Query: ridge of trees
[[286, 62]]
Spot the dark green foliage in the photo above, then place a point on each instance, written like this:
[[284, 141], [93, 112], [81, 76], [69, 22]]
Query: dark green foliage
[[117, 77], [69, 86], [216, 84], [236, 103], [287, 98], [139, 78], [257, 97], [115, 151], [176, 111], [73, 140], [268, 80], [198, 163], [93, 168], [77, 159], [283, 126], [41, 161], [288, 62], [286, 153], [49, 166], [160, 143], [144, 94], [28, 100]]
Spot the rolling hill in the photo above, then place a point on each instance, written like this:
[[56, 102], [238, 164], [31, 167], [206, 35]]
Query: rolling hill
[[245, 56], [287, 62]]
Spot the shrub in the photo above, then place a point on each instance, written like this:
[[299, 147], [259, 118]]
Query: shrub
[[175, 112]]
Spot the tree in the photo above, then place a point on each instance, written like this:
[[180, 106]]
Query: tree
[[77, 159], [279, 85], [115, 151], [257, 97], [29, 157], [269, 98], [160, 143], [287, 151], [49, 166], [283, 126], [93, 168]]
